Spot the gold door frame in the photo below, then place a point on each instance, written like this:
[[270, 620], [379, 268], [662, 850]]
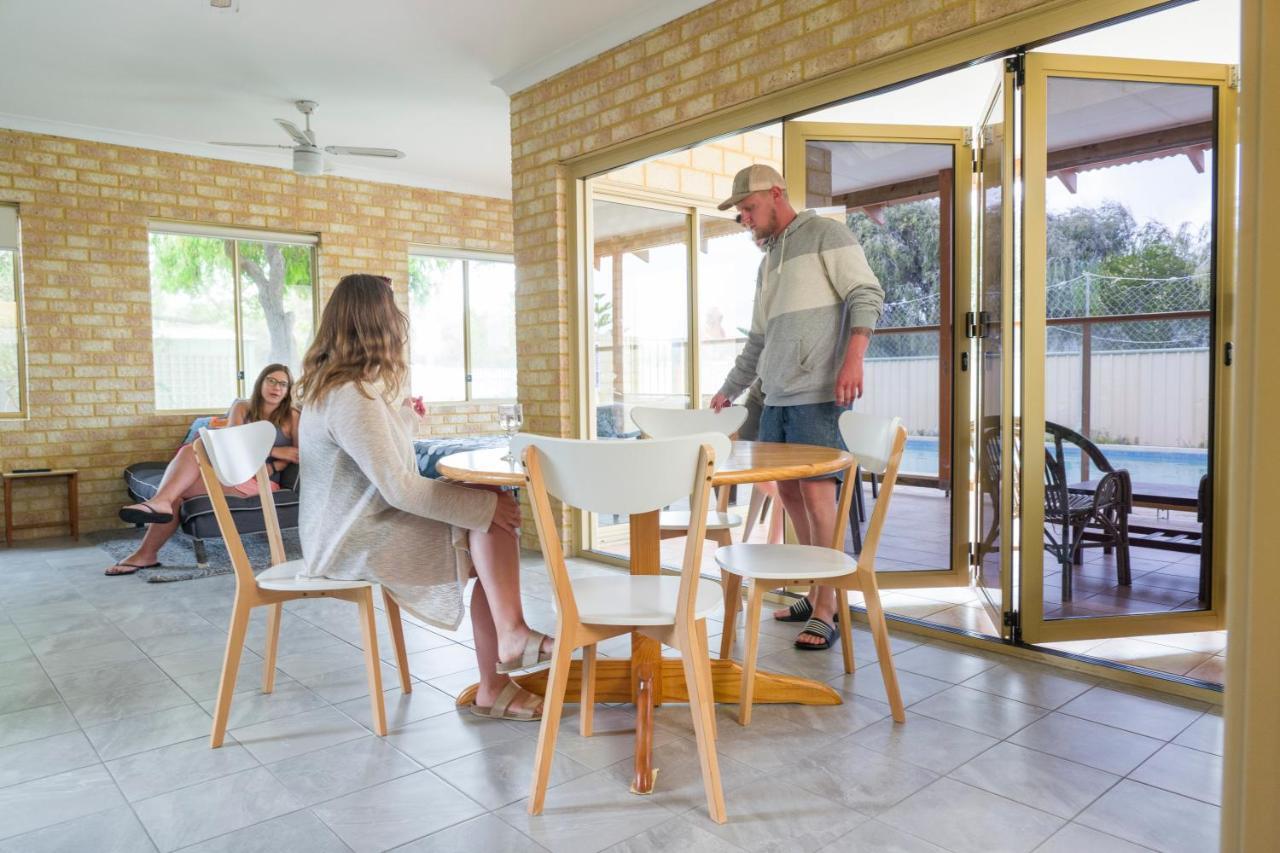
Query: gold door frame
[[1040, 67], [794, 137]]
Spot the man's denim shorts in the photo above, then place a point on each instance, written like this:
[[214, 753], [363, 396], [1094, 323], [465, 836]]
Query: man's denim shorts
[[813, 423]]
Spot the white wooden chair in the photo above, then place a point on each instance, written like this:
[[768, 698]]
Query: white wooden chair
[[617, 477], [228, 457], [876, 444]]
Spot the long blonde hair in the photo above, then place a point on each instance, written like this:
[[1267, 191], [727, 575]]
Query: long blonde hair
[[361, 339]]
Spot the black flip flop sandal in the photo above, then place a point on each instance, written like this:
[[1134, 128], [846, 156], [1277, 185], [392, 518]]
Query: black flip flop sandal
[[821, 630], [798, 612], [129, 515], [132, 566]]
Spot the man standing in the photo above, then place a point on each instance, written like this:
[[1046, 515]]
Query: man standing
[[817, 302]]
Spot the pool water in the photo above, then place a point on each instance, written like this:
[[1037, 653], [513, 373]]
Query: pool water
[[1172, 465]]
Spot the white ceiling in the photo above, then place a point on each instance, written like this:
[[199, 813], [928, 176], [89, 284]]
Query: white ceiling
[[429, 78]]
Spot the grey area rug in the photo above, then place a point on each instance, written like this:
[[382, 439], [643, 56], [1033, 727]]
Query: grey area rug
[[178, 556]]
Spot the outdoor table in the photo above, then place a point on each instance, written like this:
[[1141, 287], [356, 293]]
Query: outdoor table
[[647, 678]]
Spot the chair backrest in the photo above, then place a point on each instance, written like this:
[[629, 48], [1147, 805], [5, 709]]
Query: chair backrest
[[622, 478], [672, 423], [228, 457], [877, 444]]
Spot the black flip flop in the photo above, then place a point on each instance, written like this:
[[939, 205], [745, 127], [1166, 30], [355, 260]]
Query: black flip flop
[[800, 612], [129, 515], [132, 566], [821, 630]]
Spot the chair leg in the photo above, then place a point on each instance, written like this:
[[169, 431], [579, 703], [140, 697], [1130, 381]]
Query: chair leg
[[230, 668], [732, 601], [371, 661], [587, 702], [552, 706], [1125, 574], [273, 643], [702, 709], [752, 629], [880, 633], [397, 639], [859, 497], [846, 628], [755, 512], [704, 670]]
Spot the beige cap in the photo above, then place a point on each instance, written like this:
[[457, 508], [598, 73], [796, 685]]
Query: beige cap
[[752, 179]]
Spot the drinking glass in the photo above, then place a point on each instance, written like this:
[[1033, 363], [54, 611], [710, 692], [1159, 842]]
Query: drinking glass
[[510, 419]]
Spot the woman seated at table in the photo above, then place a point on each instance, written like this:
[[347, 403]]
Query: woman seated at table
[[272, 400], [368, 514]]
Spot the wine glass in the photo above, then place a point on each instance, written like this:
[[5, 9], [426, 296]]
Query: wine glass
[[510, 419]]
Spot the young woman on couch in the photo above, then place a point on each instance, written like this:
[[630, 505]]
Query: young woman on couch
[[272, 400], [368, 514]]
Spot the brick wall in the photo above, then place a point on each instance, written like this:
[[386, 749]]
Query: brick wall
[[704, 173], [725, 54], [85, 207]]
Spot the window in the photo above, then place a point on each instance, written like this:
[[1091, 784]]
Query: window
[[11, 368], [225, 304], [462, 321]]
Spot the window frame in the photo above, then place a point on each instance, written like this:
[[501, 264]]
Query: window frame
[[467, 256], [20, 316], [235, 235]]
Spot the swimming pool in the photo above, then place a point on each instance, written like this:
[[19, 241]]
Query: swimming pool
[[1173, 465]]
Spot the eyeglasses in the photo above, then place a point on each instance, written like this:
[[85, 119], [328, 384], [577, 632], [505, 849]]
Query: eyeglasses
[[276, 383]]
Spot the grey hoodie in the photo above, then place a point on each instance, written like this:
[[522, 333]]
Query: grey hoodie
[[814, 286]]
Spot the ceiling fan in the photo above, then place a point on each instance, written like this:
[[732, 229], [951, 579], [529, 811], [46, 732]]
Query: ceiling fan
[[308, 157]]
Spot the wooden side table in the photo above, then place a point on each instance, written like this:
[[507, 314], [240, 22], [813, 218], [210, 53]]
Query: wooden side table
[[73, 501]]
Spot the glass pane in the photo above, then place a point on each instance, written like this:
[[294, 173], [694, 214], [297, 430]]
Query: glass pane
[[492, 288], [640, 328], [889, 195], [276, 314], [438, 368], [193, 322], [1129, 288], [728, 261], [10, 398]]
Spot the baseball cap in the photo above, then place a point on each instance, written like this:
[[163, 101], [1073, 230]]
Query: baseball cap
[[750, 180]]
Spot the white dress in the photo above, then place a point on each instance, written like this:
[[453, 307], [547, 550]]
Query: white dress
[[368, 514]]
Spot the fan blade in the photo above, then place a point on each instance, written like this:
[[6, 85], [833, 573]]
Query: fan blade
[[364, 152], [292, 129], [251, 145]]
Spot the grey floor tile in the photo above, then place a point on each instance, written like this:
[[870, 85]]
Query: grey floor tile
[[396, 812], [1155, 818], [276, 740], [831, 721], [204, 686], [90, 657], [763, 816], [675, 834], [149, 731], [981, 712], [964, 819], [340, 655], [857, 777], [613, 735], [29, 694], [442, 660], [21, 670], [1205, 734], [251, 708], [35, 759], [34, 723], [924, 742], [116, 830], [876, 837], [341, 685], [335, 771], [213, 808], [445, 737], [942, 662], [589, 813], [1084, 742], [54, 799], [482, 833], [502, 773], [92, 708], [66, 641], [299, 831], [868, 682], [1153, 715], [680, 769], [1074, 838], [178, 664], [1045, 782], [105, 678], [401, 708], [1185, 771], [158, 771], [1031, 684]]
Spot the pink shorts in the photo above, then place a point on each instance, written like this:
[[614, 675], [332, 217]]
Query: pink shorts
[[249, 488]]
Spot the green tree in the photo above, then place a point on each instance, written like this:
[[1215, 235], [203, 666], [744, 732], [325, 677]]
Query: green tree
[[903, 253]]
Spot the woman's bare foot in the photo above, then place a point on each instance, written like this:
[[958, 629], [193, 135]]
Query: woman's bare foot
[[511, 646]]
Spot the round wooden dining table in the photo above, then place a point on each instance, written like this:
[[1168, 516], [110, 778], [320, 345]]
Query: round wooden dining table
[[647, 678]]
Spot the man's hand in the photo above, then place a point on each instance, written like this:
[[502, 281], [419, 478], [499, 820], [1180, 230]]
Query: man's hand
[[849, 381], [719, 401]]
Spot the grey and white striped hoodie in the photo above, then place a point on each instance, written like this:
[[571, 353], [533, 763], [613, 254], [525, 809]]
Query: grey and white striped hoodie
[[814, 286]]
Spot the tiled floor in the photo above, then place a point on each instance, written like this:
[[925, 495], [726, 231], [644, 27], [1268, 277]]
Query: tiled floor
[[105, 689]]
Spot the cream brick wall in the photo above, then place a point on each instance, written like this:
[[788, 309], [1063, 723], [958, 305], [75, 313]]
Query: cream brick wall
[[85, 208], [704, 173], [725, 54]]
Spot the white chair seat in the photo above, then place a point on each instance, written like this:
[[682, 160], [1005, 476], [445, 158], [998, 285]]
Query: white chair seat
[[284, 578], [643, 600], [715, 520], [785, 562]]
